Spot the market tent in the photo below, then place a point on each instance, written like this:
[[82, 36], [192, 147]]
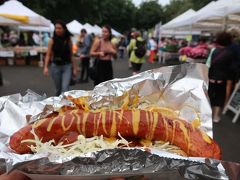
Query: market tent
[[178, 33], [222, 9], [49, 29], [89, 28], [219, 13], [13, 12], [74, 27], [182, 17], [5, 21], [98, 29], [115, 33], [176, 27]]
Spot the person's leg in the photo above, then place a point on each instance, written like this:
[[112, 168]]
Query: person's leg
[[87, 69], [129, 62], [109, 70], [229, 87], [106, 71], [139, 67], [134, 71], [136, 68], [151, 57], [218, 101], [66, 77], [82, 70], [56, 75], [164, 54], [121, 53], [160, 57], [216, 110], [99, 75]]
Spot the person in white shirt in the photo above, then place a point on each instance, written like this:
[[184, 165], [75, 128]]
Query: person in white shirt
[[152, 48]]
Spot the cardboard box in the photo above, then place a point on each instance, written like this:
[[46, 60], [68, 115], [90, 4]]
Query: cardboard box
[[3, 62], [34, 62]]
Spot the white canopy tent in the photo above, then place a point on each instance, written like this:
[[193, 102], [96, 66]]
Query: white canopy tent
[[74, 27], [179, 18], [13, 12], [89, 28], [168, 29], [222, 9], [6, 22], [49, 29], [181, 23], [97, 29], [215, 15], [182, 33], [115, 33]]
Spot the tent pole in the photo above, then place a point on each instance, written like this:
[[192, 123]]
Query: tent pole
[[159, 30], [224, 26], [191, 31], [41, 54]]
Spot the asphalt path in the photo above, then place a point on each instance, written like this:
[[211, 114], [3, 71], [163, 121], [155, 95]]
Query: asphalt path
[[17, 79]]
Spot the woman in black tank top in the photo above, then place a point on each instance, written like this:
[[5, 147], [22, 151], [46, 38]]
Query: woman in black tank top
[[60, 54]]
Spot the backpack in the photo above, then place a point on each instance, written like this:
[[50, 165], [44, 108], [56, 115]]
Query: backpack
[[140, 49]]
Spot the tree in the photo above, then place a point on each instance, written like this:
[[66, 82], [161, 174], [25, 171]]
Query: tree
[[197, 4], [175, 8], [119, 14], [149, 14]]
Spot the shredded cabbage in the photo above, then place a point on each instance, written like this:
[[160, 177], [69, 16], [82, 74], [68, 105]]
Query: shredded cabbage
[[85, 145], [82, 146]]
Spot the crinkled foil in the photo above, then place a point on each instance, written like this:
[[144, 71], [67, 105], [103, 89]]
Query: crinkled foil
[[123, 163], [178, 87]]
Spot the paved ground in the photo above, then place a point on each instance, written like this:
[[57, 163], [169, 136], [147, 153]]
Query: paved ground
[[19, 79]]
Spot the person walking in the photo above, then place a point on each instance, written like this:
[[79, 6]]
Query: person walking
[[85, 54], [122, 47], [152, 48], [220, 74], [161, 50], [104, 51], [59, 53], [137, 47]]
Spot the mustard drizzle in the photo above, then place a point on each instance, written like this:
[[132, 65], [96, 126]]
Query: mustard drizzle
[[51, 123], [63, 120], [84, 120], [78, 120], [103, 113], [114, 125], [165, 124], [135, 120]]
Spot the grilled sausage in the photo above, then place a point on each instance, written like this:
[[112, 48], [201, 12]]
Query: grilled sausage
[[135, 123]]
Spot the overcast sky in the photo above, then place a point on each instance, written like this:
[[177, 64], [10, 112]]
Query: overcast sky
[[162, 2]]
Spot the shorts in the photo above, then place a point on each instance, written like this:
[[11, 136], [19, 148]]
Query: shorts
[[136, 66], [217, 93]]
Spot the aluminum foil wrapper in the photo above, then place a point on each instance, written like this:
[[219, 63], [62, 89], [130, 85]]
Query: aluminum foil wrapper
[[123, 163], [182, 88]]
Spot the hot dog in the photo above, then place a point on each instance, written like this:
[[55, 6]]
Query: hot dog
[[135, 123]]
